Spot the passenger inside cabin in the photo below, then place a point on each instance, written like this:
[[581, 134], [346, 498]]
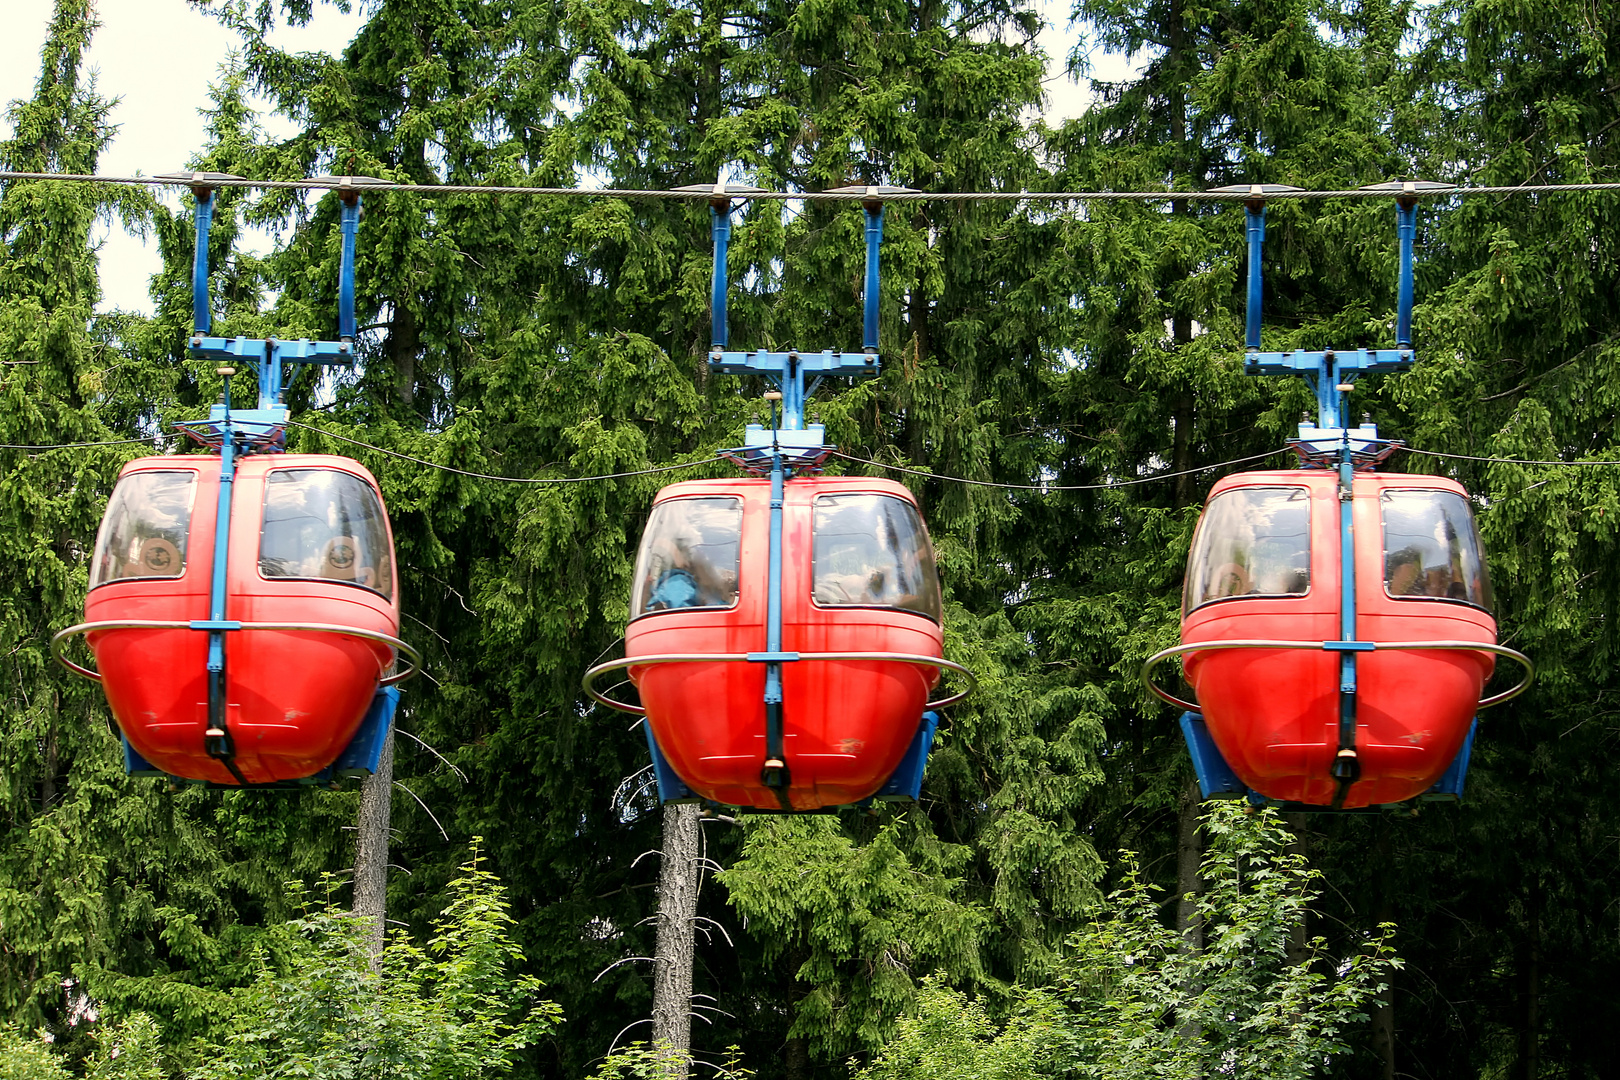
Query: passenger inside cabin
[[687, 579], [689, 556], [325, 525], [143, 533], [873, 551], [1408, 573]]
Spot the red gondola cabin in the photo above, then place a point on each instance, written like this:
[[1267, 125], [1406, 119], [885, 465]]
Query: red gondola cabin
[[310, 545], [1265, 564], [857, 576]]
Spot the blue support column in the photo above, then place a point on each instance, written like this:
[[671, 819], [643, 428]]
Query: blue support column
[[792, 385], [1328, 412], [874, 240], [1255, 212], [217, 738], [203, 186], [1346, 765], [270, 376], [350, 224], [720, 228], [1406, 228], [775, 773], [201, 315]]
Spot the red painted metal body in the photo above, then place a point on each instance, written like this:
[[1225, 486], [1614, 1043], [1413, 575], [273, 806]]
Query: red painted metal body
[[847, 723], [1274, 713], [293, 698]]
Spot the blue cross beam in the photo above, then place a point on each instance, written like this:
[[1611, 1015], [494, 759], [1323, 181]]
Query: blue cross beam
[[795, 373], [1333, 372], [264, 426]]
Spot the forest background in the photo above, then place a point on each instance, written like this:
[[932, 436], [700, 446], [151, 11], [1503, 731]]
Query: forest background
[[1024, 344]]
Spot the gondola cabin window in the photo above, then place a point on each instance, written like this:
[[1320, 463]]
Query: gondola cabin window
[[143, 533], [1251, 541], [689, 556], [327, 525], [873, 551], [1432, 549]]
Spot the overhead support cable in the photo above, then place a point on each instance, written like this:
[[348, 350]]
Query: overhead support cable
[[703, 192]]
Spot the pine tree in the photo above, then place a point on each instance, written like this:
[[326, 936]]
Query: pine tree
[[59, 758], [120, 889], [1498, 899]]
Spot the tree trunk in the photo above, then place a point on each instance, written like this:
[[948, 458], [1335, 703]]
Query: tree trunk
[[678, 882], [404, 341], [796, 1058], [371, 849], [1383, 1033], [1383, 1017], [1189, 856], [1189, 884], [1300, 934], [1529, 965]]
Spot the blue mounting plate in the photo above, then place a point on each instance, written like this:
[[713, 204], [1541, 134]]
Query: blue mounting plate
[[803, 448]]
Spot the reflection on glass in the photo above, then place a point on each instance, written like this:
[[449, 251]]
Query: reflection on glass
[[1431, 548], [325, 524], [143, 533], [1251, 542], [873, 551], [689, 556]]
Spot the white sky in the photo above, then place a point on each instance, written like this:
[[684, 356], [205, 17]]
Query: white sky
[[158, 58]]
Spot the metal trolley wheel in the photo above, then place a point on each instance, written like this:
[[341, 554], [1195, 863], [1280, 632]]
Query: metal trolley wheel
[[696, 658], [1334, 646], [59, 642]]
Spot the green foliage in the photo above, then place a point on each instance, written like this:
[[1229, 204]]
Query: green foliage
[[851, 921], [1131, 1000], [127, 1049], [25, 1057], [103, 881], [322, 1005], [641, 1061]]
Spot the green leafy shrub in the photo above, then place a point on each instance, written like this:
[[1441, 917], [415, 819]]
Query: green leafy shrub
[[324, 1006], [1132, 1001]]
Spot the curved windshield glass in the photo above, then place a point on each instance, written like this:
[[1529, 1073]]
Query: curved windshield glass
[[143, 533], [873, 551], [325, 524], [1431, 548], [1251, 542], [689, 556]]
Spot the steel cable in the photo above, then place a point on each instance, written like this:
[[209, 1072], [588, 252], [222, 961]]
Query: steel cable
[[704, 193]]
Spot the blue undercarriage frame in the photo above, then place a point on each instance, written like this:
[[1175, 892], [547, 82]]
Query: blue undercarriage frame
[[1216, 780], [360, 758], [904, 785]]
